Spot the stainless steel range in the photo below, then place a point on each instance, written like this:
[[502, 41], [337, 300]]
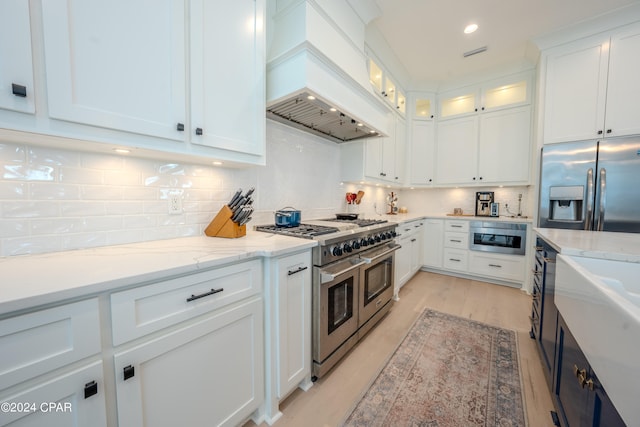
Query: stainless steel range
[[352, 282]]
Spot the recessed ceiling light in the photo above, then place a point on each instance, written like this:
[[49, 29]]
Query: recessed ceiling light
[[121, 150], [311, 97], [332, 109], [470, 28], [217, 162]]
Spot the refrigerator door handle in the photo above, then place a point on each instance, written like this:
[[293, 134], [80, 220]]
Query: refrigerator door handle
[[589, 217], [602, 198]]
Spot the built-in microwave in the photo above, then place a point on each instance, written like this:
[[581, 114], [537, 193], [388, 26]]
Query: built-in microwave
[[500, 237]]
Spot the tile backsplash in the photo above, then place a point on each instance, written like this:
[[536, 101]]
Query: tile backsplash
[[55, 200]]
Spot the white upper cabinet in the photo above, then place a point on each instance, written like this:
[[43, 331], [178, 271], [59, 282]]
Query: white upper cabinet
[[117, 64], [387, 88], [457, 151], [591, 86], [504, 146], [422, 155], [424, 107], [227, 75], [623, 84], [498, 94], [458, 103], [170, 79], [16, 65]]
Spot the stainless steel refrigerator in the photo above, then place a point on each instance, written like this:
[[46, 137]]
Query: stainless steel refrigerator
[[591, 185]]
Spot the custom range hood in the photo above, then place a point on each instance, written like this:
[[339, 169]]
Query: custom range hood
[[317, 78]]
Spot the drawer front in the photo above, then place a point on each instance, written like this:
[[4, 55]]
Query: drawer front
[[455, 259], [510, 268], [456, 225], [140, 311], [35, 343], [457, 240]]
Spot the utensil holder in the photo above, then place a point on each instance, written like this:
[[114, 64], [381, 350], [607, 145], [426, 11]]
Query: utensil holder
[[223, 226]]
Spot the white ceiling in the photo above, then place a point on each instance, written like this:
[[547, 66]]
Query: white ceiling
[[427, 36]]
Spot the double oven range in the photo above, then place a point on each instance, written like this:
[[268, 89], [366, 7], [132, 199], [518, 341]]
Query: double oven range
[[352, 285]]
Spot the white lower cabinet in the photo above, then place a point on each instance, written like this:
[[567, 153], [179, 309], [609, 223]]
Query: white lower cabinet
[[71, 399], [504, 267], [408, 258], [289, 330], [456, 259], [49, 372], [207, 373], [432, 243]]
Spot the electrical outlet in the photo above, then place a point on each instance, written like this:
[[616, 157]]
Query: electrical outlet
[[175, 204]]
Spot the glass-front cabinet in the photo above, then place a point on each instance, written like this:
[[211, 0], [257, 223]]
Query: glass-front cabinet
[[423, 107], [497, 94], [386, 87]]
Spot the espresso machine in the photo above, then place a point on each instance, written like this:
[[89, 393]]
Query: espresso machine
[[483, 203]]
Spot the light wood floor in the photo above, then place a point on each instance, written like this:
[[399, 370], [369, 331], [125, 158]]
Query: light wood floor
[[327, 402]]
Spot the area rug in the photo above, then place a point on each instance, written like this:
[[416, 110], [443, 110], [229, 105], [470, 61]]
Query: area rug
[[447, 372]]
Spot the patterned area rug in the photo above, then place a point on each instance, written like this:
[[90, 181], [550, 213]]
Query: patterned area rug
[[448, 372]]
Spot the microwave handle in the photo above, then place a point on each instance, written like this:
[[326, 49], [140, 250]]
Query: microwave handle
[[327, 277], [589, 216], [383, 254]]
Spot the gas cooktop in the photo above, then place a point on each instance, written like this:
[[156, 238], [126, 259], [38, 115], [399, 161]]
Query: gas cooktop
[[307, 231]]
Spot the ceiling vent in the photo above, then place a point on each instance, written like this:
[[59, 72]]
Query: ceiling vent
[[475, 51]]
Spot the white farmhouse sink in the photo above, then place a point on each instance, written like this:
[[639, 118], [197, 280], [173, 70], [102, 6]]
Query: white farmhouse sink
[[600, 301]]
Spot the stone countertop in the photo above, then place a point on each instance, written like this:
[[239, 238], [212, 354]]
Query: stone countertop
[[402, 218], [593, 244], [32, 280]]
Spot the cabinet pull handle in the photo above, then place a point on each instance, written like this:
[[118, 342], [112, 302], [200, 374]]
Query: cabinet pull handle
[[495, 265], [129, 372], [455, 226], [206, 294], [90, 389], [457, 241], [453, 259], [198, 131], [413, 240], [19, 90], [298, 270], [180, 127]]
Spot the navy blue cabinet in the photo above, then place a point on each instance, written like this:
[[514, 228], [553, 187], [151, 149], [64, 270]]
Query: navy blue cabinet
[[544, 313], [578, 395]]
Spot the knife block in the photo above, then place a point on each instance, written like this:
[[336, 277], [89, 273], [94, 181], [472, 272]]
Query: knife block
[[223, 226]]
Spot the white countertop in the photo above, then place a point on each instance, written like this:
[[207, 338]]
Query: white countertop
[[401, 218], [32, 280], [593, 244]]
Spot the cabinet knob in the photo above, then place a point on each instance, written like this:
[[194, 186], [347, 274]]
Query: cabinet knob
[[432, 116], [90, 389], [476, 110], [600, 132], [198, 131], [482, 108], [19, 90], [608, 130], [474, 178], [180, 127], [430, 180], [480, 178]]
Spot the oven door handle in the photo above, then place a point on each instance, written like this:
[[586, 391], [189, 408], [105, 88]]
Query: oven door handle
[[327, 277], [381, 255]]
